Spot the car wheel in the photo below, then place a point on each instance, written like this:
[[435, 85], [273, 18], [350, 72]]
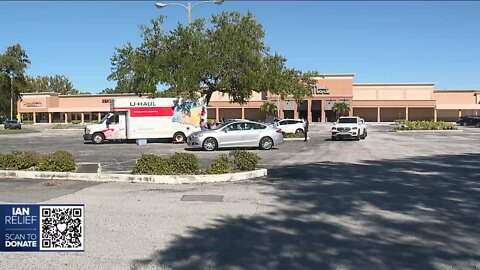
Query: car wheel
[[334, 138], [266, 143], [98, 138], [357, 138], [299, 131], [210, 144], [364, 135], [179, 137]]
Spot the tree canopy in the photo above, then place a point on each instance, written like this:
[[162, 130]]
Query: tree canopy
[[57, 83], [13, 64], [229, 56]]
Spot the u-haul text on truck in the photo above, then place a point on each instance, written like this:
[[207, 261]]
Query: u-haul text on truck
[[143, 118]]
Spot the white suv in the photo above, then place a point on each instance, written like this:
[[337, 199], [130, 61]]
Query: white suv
[[349, 127], [291, 125]]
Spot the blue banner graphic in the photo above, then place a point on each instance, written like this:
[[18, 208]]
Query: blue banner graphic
[[33, 227]]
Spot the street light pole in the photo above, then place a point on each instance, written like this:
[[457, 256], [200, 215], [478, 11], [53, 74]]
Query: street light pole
[[188, 7], [11, 97]]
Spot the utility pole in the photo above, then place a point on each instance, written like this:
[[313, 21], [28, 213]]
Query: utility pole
[[189, 8], [11, 97]]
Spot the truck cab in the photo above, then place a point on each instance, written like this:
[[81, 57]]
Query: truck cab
[[348, 127], [113, 126]]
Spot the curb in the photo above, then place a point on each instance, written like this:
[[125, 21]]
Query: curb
[[295, 139], [158, 179], [420, 131]]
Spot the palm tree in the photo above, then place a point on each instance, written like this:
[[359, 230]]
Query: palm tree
[[340, 108], [269, 108]]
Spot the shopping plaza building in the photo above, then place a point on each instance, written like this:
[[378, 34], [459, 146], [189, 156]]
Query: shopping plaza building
[[376, 102]]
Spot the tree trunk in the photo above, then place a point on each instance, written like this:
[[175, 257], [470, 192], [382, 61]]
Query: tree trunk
[[208, 95]]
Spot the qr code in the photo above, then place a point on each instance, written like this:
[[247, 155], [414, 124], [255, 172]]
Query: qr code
[[61, 228]]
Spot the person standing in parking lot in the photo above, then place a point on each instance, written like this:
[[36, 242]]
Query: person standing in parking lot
[[305, 128]]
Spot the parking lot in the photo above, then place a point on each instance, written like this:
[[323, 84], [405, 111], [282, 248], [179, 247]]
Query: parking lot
[[392, 201], [380, 144]]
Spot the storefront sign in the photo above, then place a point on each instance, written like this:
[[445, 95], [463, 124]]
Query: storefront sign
[[32, 104], [320, 91]]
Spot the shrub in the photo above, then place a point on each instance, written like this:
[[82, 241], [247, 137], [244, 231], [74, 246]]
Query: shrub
[[184, 163], [220, 165], [27, 122], [60, 161], [152, 164], [426, 125], [60, 126], [19, 160], [94, 122], [245, 161], [76, 122]]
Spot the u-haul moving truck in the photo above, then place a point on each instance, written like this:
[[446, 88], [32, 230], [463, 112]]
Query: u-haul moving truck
[[142, 118]]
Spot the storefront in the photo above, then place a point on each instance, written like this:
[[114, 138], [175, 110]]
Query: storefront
[[376, 102]]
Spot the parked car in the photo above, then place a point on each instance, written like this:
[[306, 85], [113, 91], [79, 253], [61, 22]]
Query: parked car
[[291, 125], [12, 124], [236, 134], [468, 121], [349, 127]]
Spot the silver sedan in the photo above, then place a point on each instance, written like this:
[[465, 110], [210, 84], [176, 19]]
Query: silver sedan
[[236, 134]]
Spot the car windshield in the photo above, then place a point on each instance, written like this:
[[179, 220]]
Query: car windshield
[[347, 120]]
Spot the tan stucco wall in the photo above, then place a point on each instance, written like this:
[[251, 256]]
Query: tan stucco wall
[[53, 103], [392, 92], [454, 97], [460, 100], [337, 85]]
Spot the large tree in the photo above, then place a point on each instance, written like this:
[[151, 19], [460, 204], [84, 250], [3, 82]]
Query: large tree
[[13, 64], [57, 83], [228, 56]]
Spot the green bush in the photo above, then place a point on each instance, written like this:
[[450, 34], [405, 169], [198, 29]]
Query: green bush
[[220, 166], [60, 161], [59, 126], [152, 164], [245, 161], [184, 163], [94, 122], [76, 122], [425, 125], [27, 122], [19, 160]]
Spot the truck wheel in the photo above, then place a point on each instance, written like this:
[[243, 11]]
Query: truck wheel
[[179, 137], [98, 138], [210, 144], [266, 143], [299, 131]]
